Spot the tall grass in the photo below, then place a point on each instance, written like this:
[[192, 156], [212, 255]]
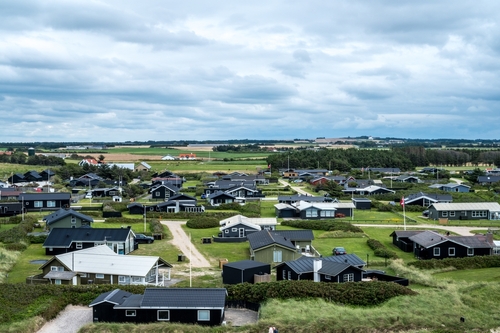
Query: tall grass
[[7, 261]]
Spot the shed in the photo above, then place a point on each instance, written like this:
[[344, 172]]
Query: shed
[[243, 271], [362, 203]]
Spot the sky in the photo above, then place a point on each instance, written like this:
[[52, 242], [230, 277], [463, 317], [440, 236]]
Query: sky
[[121, 70]]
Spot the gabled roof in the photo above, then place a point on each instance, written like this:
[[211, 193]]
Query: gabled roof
[[63, 237], [184, 298], [221, 194], [302, 205], [349, 258], [282, 206], [114, 297], [181, 196], [45, 196], [334, 268], [405, 233], [429, 238], [63, 213], [236, 224], [369, 189], [307, 198], [253, 220], [490, 206], [328, 267], [264, 238], [431, 197], [102, 260], [476, 241], [144, 164], [449, 185], [245, 264], [168, 186]]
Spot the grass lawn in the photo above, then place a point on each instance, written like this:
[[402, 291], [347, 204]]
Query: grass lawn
[[471, 275], [23, 267]]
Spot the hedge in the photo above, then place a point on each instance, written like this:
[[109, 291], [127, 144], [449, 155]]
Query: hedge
[[328, 225], [458, 263], [380, 250], [350, 293]]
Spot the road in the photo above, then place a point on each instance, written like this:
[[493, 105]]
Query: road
[[295, 188], [463, 231], [182, 241]]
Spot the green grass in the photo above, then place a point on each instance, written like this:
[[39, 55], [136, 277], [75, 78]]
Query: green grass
[[23, 267], [471, 275]]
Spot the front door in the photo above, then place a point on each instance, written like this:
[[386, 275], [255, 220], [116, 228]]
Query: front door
[[241, 233]]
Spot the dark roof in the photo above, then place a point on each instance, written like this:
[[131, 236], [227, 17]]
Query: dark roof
[[63, 237], [63, 213], [405, 233], [295, 235], [432, 196], [428, 238], [245, 264], [114, 296], [265, 238], [476, 241], [175, 298], [307, 198], [221, 194], [349, 258], [181, 196], [45, 196], [361, 200], [333, 268], [328, 267]]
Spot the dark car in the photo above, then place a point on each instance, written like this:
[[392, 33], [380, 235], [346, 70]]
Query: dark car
[[425, 213], [141, 238], [338, 251]]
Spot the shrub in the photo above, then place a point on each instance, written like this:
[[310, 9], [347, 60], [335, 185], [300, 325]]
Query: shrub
[[16, 247], [351, 293], [203, 222], [328, 225], [380, 250], [458, 263]]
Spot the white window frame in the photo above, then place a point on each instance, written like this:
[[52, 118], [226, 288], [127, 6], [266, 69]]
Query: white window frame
[[122, 279], [277, 256], [84, 275], [436, 251], [452, 213], [51, 203], [226, 231], [348, 277], [289, 275], [79, 245], [136, 279], [451, 252], [99, 276], [470, 251], [284, 274], [38, 204], [57, 281], [328, 277], [161, 312], [130, 313], [444, 213], [73, 220], [203, 315], [234, 229]]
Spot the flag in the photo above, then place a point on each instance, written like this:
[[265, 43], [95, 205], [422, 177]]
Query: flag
[[402, 202], [269, 166]]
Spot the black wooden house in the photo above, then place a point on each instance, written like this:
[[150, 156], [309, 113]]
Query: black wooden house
[[243, 271]]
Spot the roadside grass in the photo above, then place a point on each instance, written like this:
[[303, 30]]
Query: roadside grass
[[7, 260], [471, 275], [267, 208]]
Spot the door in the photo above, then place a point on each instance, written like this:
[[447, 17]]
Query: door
[[241, 233]]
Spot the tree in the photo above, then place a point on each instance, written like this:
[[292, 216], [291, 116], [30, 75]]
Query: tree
[[333, 189]]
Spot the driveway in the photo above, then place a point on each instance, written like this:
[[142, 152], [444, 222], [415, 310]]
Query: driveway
[[182, 241], [295, 188], [70, 320]]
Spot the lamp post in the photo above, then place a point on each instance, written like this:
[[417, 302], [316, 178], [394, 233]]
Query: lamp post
[[144, 218]]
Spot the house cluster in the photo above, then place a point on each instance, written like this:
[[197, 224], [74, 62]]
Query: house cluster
[[174, 204], [235, 187], [427, 244], [312, 207], [19, 202], [84, 255], [32, 176]]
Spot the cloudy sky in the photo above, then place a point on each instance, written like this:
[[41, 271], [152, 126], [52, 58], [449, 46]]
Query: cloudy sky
[[121, 70]]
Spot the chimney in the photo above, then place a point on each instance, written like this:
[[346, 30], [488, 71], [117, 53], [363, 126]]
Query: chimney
[[317, 264], [489, 237]]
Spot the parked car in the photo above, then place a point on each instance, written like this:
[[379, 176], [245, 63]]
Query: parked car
[[338, 251], [425, 213], [141, 238]]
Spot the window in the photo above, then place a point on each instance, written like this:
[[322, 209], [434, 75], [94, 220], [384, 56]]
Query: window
[[163, 314], [51, 203], [136, 279], [311, 212], [470, 251], [289, 275], [157, 193], [452, 213], [226, 231], [479, 213], [451, 251], [284, 275], [444, 214], [38, 204], [328, 277], [234, 229], [84, 275], [121, 279], [79, 245], [57, 281], [99, 276], [437, 251], [349, 277], [203, 315], [130, 313], [73, 220], [57, 268], [277, 256]]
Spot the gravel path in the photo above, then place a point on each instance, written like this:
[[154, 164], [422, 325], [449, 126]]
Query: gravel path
[[70, 320], [182, 241]]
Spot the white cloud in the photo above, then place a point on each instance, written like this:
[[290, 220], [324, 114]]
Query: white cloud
[[156, 70]]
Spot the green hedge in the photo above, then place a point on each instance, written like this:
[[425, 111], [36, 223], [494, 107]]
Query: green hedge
[[328, 225], [380, 250], [203, 222], [458, 263], [351, 293], [19, 232]]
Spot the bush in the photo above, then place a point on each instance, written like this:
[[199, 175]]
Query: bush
[[203, 222], [328, 225], [380, 250], [351, 293], [458, 263], [16, 247]]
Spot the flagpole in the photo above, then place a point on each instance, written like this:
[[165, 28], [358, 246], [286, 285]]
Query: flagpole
[[404, 214], [190, 261]]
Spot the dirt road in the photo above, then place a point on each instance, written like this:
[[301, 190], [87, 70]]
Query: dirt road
[[70, 320], [182, 241]]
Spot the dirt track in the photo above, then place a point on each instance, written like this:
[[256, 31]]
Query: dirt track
[[182, 241]]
